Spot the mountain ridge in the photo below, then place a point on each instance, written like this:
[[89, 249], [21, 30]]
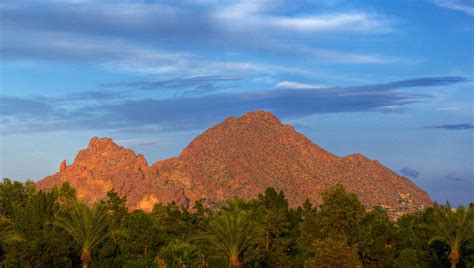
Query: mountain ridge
[[237, 157]]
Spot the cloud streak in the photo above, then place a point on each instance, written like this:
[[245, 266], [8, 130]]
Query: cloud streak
[[409, 172], [454, 126], [109, 33], [449, 108], [349, 22], [453, 177], [257, 14], [17, 106], [197, 112], [195, 84], [296, 85], [138, 142], [466, 6]]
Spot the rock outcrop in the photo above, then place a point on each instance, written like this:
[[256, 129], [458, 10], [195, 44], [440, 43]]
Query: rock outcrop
[[238, 157], [104, 165]]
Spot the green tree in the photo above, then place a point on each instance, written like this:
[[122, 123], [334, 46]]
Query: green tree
[[338, 219], [31, 214], [7, 232], [110, 253], [7, 235], [454, 227], [180, 254], [411, 232], [142, 239], [374, 239], [201, 216], [14, 195], [116, 209], [467, 254], [407, 259], [331, 253], [173, 222], [233, 231], [308, 232], [87, 225], [277, 246], [66, 196], [340, 213]]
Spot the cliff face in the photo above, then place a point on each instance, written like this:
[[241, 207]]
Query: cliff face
[[238, 157]]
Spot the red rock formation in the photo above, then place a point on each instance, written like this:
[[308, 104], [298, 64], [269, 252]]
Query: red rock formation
[[243, 156], [104, 166], [238, 157], [62, 166]]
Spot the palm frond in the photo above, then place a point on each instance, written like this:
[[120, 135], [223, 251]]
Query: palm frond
[[234, 229], [452, 226], [86, 225]]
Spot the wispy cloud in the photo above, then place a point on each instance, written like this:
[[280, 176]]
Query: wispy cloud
[[391, 109], [92, 95], [348, 22], [428, 81], [20, 106], [453, 177], [198, 84], [410, 172], [466, 6], [345, 57], [448, 108], [415, 82], [138, 142], [197, 112], [297, 85], [257, 14], [454, 126], [149, 38]]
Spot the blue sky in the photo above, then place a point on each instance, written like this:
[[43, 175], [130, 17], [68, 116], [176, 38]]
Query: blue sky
[[390, 79]]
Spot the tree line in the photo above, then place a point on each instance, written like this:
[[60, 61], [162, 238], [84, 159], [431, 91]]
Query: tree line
[[54, 229]]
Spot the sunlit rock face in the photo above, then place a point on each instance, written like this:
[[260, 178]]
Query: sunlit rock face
[[238, 157], [104, 166]]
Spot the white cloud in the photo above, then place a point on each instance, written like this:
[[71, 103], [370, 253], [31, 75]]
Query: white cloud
[[466, 6], [257, 14], [345, 22], [144, 61], [297, 85], [342, 57], [240, 10], [450, 108]]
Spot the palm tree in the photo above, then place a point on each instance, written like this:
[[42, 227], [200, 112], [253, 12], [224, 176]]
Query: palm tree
[[7, 232], [453, 227], [87, 226], [233, 231], [7, 235]]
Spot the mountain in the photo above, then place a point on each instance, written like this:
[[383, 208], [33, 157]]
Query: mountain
[[238, 157], [104, 165]]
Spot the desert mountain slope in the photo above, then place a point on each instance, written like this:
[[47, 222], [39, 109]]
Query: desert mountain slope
[[243, 156], [238, 157]]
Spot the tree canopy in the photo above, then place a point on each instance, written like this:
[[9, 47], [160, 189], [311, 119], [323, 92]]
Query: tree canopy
[[54, 229]]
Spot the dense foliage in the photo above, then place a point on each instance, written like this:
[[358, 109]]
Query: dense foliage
[[54, 229]]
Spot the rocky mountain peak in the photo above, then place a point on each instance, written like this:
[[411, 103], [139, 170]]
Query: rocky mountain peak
[[238, 157], [260, 117], [102, 145]]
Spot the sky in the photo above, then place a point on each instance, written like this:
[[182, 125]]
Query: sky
[[392, 80]]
